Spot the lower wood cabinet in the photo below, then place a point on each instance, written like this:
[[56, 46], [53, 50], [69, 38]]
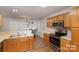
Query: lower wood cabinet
[[75, 38], [23, 44], [64, 45], [18, 44], [46, 39]]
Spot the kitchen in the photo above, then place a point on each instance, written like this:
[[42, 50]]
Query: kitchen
[[58, 31]]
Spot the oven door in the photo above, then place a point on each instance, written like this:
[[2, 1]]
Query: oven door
[[55, 40]]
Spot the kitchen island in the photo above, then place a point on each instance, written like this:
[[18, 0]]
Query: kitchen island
[[20, 43]]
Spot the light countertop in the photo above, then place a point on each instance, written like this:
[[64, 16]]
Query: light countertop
[[66, 37], [6, 35]]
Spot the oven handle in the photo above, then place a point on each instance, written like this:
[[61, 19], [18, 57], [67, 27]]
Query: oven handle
[[55, 37]]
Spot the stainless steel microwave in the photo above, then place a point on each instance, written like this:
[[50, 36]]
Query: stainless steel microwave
[[58, 24]]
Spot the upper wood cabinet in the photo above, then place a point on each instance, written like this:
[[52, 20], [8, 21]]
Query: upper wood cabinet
[[1, 21], [75, 17], [49, 22], [67, 20], [60, 17], [65, 17]]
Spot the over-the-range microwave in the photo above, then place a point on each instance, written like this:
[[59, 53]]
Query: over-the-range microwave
[[58, 24]]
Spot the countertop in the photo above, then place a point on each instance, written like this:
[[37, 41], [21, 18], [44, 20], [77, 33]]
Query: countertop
[[67, 37], [6, 35]]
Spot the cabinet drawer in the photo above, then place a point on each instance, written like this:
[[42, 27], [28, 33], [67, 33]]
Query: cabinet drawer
[[64, 41], [10, 41]]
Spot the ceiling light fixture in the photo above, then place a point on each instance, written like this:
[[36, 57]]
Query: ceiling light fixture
[[15, 10]]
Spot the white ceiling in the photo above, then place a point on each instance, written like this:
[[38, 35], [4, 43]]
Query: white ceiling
[[35, 12]]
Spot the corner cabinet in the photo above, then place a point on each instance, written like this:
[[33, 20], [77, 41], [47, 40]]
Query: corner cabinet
[[1, 21]]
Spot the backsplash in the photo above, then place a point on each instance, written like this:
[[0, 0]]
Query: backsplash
[[50, 30]]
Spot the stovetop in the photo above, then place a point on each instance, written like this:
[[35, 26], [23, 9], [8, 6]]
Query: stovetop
[[58, 34], [55, 35]]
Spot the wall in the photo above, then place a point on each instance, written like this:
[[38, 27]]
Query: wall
[[46, 29], [12, 24], [6, 24]]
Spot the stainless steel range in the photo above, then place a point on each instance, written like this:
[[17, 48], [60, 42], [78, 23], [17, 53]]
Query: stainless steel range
[[55, 40]]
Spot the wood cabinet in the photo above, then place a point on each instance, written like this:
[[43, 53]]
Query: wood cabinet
[[60, 17], [18, 44], [46, 39], [31, 43], [75, 38], [75, 17], [65, 17], [67, 20], [10, 45], [1, 21], [49, 22], [0, 48], [23, 44], [75, 35], [64, 45], [75, 27]]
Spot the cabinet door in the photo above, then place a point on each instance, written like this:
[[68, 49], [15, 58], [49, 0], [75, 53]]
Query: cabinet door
[[49, 23], [46, 39], [64, 45], [26, 44], [67, 20], [1, 21], [75, 17], [54, 18], [9, 45], [77, 48], [31, 43], [75, 35], [23, 44], [75, 38], [11, 48], [60, 17]]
